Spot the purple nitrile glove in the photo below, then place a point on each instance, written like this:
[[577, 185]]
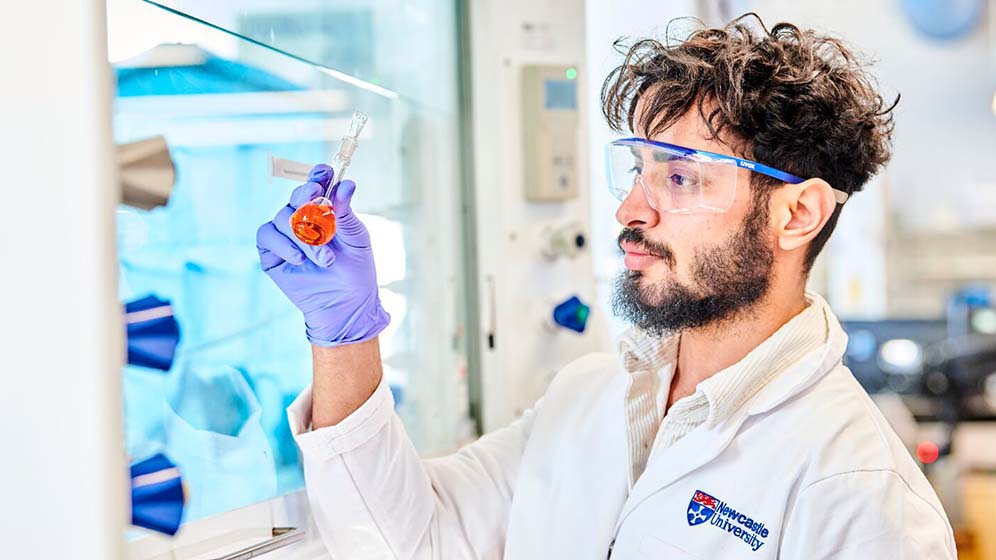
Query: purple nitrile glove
[[335, 285]]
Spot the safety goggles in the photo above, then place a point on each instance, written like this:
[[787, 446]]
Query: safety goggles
[[681, 180]]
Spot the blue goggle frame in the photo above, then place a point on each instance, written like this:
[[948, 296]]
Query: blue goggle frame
[[754, 166]]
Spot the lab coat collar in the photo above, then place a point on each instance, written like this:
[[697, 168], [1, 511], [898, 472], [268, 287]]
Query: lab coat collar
[[808, 370], [638, 350], [706, 442]]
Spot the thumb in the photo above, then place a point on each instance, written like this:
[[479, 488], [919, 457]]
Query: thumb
[[321, 174]]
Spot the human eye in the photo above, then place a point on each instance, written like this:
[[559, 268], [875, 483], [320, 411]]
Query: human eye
[[683, 180]]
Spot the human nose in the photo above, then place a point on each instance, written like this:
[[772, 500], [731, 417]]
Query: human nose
[[635, 210]]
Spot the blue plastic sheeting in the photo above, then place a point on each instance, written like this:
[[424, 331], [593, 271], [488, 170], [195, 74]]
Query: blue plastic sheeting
[[214, 432], [219, 412], [216, 75]]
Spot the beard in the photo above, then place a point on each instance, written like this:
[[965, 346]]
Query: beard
[[727, 281]]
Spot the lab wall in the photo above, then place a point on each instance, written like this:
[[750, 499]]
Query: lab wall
[[517, 286]]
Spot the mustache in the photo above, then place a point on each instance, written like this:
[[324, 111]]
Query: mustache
[[636, 236]]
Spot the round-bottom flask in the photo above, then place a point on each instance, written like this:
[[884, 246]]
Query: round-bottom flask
[[314, 222]]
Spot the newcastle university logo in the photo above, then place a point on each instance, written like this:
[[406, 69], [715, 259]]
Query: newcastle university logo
[[701, 508]]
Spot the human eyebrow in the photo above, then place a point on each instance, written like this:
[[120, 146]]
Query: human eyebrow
[[664, 157]]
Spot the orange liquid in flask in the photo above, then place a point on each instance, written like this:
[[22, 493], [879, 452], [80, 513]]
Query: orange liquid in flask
[[314, 222]]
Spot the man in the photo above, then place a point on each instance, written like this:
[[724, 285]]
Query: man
[[725, 426]]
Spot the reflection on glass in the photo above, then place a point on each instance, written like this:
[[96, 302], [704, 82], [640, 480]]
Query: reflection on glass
[[227, 107], [388, 47]]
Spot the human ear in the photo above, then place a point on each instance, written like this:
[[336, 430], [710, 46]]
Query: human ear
[[806, 208]]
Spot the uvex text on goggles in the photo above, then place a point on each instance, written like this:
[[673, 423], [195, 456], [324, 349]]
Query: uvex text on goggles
[[679, 179]]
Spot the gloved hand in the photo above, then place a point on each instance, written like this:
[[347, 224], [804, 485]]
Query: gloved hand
[[335, 285]]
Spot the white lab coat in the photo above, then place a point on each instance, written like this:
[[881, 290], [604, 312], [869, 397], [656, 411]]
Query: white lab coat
[[808, 468]]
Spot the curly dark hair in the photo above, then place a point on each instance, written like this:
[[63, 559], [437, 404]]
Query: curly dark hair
[[788, 98]]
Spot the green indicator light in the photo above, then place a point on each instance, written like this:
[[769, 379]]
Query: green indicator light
[[582, 313], [571, 73]]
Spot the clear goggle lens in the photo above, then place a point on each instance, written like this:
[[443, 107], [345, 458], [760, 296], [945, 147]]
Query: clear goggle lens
[[673, 180]]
